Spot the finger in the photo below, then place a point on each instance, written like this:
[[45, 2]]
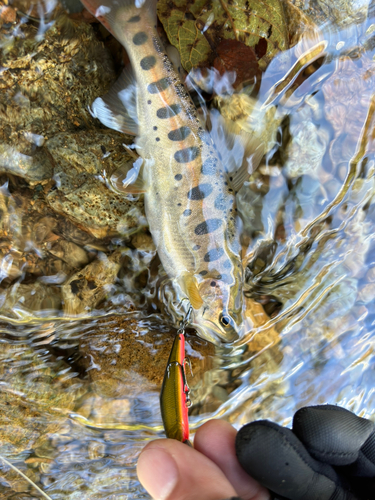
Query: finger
[[332, 434], [277, 459], [365, 465], [170, 470], [216, 439]]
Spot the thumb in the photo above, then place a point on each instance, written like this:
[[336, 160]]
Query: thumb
[[170, 470]]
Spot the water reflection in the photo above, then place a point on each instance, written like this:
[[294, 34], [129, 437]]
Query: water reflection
[[84, 334]]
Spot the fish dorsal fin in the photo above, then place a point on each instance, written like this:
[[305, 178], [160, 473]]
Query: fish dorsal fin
[[253, 153], [129, 178], [241, 151], [118, 108], [192, 291]]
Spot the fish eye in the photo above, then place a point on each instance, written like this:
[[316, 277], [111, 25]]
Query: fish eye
[[225, 320]]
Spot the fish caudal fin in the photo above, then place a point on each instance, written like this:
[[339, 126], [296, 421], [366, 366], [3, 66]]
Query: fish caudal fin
[[109, 12], [118, 109]]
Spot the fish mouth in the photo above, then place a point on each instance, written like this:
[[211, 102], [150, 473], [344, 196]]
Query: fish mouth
[[208, 331]]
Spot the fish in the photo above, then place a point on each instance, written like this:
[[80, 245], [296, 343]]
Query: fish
[[174, 395], [188, 170]]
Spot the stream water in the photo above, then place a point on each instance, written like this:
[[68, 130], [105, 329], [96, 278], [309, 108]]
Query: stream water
[[84, 344]]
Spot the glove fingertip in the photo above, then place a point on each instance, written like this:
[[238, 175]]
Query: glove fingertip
[[331, 434], [275, 457]]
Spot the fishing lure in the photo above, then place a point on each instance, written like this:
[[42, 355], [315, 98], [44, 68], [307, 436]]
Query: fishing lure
[[174, 396]]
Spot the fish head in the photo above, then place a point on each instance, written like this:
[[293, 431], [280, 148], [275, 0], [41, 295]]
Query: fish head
[[219, 319]]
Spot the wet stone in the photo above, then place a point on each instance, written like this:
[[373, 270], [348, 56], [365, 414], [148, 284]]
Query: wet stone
[[123, 364], [80, 192], [27, 414], [84, 290], [70, 253], [47, 93]]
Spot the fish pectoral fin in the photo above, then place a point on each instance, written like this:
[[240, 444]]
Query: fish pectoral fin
[[137, 187], [129, 178], [253, 153], [191, 289], [118, 108]]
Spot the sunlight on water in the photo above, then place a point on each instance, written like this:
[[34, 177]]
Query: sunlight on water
[[86, 316]]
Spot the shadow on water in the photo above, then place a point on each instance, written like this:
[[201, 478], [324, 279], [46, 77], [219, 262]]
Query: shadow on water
[[84, 334]]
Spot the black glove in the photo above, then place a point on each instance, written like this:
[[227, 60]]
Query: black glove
[[329, 455]]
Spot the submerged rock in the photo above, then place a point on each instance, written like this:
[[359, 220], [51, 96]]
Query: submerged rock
[[126, 359], [338, 12], [84, 290], [48, 80], [82, 164], [36, 390], [19, 300]]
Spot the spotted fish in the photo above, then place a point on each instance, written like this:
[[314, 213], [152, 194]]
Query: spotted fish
[[189, 179]]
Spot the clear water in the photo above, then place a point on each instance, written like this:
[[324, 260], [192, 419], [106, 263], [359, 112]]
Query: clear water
[[79, 394]]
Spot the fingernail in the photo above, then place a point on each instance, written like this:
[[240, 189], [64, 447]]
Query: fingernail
[[157, 472]]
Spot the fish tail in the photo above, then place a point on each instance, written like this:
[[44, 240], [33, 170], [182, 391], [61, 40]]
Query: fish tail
[[110, 12]]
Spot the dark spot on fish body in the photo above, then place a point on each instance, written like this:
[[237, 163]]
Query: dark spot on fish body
[[178, 177], [134, 19], [213, 255], [186, 155], [203, 273], [159, 86], [155, 128], [149, 102], [180, 134], [140, 38], [187, 212], [208, 226], [157, 139], [168, 111], [148, 62], [178, 204], [196, 247], [209, 166], [200, 192], [213, 283]]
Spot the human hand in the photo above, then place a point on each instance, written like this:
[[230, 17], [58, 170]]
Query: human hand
[[170, 470], [329, 455]]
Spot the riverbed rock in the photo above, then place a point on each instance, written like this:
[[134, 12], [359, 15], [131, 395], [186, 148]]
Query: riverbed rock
[[83, 164], [84, 290], [49, 79]]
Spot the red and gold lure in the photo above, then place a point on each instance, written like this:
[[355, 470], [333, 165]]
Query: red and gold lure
[[174, 396]]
